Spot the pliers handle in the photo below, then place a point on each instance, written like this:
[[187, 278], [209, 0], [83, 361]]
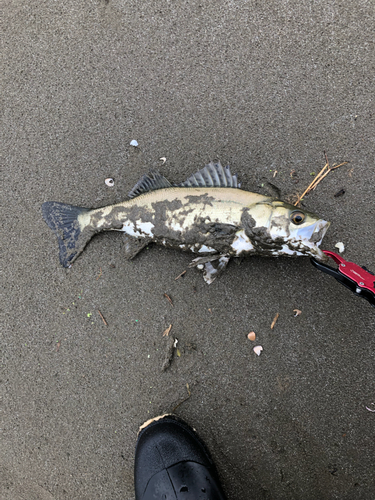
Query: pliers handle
[[358, 279]]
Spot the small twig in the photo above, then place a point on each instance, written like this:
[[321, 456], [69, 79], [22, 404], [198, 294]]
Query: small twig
[[167, 330], [321, 178], [101, 315], [310, 186], [337, 166], [169, 299], [183, 401], [325, 171], [274, 320], [179, 276], [169, 353]]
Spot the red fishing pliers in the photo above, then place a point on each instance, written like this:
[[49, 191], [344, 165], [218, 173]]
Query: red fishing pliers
[[358, 279]]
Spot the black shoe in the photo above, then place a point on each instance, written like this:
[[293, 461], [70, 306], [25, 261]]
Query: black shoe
[[172, 463]]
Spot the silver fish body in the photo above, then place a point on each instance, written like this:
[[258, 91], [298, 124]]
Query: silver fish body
[[216, 221]]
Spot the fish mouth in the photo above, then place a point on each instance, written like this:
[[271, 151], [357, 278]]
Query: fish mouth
[[320, 229], [312, 236]]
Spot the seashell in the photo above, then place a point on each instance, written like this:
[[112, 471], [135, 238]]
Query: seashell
[[258, 349], [340, 246]]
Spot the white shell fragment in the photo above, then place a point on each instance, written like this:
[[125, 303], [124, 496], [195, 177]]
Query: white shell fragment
[[175, 343], [110, 182], [163, 159], [371, 409], [340, 245], [258, 349], [134, 143]]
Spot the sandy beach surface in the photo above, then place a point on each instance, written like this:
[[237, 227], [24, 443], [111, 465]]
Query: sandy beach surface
[[264, 86]]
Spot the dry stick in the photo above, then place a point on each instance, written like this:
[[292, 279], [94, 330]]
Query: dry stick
[[167, 330], [326, 173], [311, 185], [274, 321], [179, 276], [317, 179], [101, 315], [337, 166], [321, 178], [169, 299], [169, 353], [183, 401]]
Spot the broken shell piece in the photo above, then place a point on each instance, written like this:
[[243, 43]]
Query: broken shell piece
[[175, 343], [200, 266], [297, 312], [134, 143], [163, 159], [110, 182], [371, 409], [258, 349], [251, 336], [340, 245]]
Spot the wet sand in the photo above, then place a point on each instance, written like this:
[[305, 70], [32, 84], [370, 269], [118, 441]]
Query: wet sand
[[264, 87]]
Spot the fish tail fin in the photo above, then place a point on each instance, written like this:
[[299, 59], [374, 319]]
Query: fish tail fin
[[72, 231]]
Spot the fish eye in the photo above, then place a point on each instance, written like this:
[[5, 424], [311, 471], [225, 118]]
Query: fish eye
[[297, 217]]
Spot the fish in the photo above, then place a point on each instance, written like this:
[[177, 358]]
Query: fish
[[208, 214]]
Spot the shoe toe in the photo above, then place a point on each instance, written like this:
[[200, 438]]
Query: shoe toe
[[170, 455]]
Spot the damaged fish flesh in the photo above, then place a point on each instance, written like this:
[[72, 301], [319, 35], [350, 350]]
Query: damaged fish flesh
[[208, 215]]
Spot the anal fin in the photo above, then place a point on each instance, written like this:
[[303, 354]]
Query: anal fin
[[132, 246]]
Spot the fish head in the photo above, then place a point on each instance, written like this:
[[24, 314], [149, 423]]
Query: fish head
[[298, 231]]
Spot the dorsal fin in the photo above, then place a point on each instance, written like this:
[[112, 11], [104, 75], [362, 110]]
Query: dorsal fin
[[212, 175], [149, 182]]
